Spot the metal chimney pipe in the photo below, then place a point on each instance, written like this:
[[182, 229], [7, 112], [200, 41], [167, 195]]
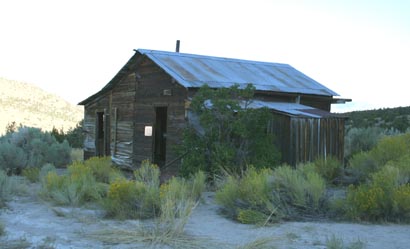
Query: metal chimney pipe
[[177, 47]]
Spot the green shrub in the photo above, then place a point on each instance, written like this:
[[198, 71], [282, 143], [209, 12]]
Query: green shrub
[[77, 155], [178, 198], [135, 199], [2, 229], [131, 199], [12, 158], [102, 169], [362, 139], [44, 170], [147, 173], [250, 194], [145, 198], [198, 183], [31, 147], [330, 168], [9, 186], [228, 134], [228, 195], [5, 188], [262, 196], [391, 148], [77, 187], [31, 173], [361, 166], [382, 199], [304, 191]]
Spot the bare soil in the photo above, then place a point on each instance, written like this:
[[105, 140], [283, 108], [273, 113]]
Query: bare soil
[[32, 223]]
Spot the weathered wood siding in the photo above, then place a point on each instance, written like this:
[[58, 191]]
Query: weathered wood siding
[[303, 139], [90, 119], [122, 113], [151, 83]]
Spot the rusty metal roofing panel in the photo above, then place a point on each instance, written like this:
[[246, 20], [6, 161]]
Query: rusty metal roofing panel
[[193, 71]]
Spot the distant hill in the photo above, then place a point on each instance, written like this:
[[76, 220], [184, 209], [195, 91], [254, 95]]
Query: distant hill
[[29, 105], [389, 118]]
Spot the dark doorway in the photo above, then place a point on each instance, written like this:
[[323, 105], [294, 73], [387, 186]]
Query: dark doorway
[[160, 135], [99, 134], [102, 137]]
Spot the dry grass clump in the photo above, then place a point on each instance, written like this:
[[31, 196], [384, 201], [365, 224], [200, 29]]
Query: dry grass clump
[[171, 206]]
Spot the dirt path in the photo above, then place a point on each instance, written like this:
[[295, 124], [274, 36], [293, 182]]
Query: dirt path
[[32, 222]]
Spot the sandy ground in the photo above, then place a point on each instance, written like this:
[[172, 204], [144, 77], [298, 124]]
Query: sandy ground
[[30, 221]]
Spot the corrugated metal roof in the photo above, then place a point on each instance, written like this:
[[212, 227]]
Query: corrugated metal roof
[[292, 109], [286, 108], [193, 71]]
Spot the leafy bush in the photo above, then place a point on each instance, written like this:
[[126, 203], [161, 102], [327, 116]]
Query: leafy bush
[[77, 187], [362, 139], [385, 198], [361, 166], [12, 158], [47, 168], [391, 148], [135, 198], [145, 198], [32, 174], [330, 168], [229, 134], [301, 190], [262, 196], [177, 200], [30, 147], [102, 169], [130, 199]]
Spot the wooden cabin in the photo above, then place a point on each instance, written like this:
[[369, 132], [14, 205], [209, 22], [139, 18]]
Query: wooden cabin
[[141, 113]]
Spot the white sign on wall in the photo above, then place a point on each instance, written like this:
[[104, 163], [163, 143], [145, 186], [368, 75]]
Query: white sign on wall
[[148, 131]]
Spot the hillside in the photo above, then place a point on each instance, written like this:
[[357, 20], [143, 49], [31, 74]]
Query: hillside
[[388, 118], [29, 105]]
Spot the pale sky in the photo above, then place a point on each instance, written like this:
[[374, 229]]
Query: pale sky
[[358, 48]]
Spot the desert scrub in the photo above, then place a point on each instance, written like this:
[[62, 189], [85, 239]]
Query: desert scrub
[[145, 198], [137, 198], [2, 229], [129, 199], [300, 191], [249, 197], [31, 147], [5, 188], [31, 174], [384, 198], [262, 196], [10, 186], [330, 168], [76, 188], [148, 173], [102, 169]]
